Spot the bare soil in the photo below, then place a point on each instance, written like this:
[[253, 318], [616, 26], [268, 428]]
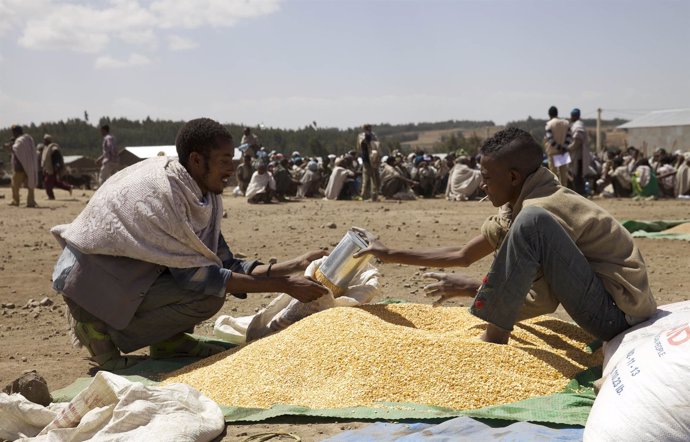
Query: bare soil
[[34, 336]]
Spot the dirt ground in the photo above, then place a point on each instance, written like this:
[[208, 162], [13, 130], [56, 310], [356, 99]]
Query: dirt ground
[[33, 330]]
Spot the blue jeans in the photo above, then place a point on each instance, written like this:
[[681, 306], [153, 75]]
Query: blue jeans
[[537, 242]]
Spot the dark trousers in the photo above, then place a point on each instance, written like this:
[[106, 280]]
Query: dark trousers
[[579, 178], [537, 242], [167, 310], [51, 181]]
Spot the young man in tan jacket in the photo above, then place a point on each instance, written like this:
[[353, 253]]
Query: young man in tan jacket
[[552, 247]]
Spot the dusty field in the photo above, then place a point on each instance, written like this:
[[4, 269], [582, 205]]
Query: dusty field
[[35, 337]]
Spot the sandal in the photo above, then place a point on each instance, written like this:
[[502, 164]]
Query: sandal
[[184, 346], [101, 348]]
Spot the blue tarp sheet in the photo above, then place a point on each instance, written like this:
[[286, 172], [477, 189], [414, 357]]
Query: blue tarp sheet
[[460, 429]]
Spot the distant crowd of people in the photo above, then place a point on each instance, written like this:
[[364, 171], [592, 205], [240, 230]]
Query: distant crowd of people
[[365, 173], [628, 173], [360, 174]]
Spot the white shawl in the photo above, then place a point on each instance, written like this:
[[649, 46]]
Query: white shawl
[[463, 182], [25, 151], [258, 184], [151, 211], [682, 179], [336, 181], [47, 158]]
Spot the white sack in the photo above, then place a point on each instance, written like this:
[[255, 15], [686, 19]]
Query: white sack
[[20, 417], [646, 391], [113, 408]]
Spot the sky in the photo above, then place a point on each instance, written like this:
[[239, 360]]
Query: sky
[[340, 63]]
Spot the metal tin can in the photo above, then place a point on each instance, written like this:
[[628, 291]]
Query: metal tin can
[[340, 267]]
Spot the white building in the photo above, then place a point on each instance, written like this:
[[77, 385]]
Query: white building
[[131, 155], [669, 129], [79, 164]]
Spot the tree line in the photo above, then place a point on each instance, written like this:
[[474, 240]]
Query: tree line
[[79, 137]]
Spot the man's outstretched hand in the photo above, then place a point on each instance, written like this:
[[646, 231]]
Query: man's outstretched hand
[[449, 286], [304, 289], [375, 248]]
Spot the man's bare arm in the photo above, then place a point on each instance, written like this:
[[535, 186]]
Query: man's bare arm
[[477, 248], [290, 266], [299, 287]]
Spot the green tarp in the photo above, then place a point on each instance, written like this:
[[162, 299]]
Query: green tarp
[[654, 229], [570, 407]]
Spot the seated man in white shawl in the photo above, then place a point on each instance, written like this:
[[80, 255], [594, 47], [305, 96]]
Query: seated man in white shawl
[[145, 261], [464, 181], [262, 186], [683, 176], [310, 182], [395, 185], [338, 179]]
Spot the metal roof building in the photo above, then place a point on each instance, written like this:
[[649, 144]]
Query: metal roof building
[[669, 129], [80, 164], [131, 155]]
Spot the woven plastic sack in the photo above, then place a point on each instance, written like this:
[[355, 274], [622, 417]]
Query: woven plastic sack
[[646, 391]]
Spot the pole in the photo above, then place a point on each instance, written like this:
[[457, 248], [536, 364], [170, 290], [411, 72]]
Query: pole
[[598, 130]]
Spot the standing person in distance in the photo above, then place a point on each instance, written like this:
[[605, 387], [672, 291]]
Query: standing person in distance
[[557, 138], [244, 173], [24, 165], [579, 152], [53, 166], [110, 158], [367, 148], [251, 141]]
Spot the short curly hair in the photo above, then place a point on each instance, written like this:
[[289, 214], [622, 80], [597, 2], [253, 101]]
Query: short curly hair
[[516, 147], [200, 135]]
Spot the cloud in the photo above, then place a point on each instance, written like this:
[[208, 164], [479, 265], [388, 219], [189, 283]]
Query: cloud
[[107, 62], [144, 37], [91, 28], [216, 13], [15, 13], [177, 43], [84, 28]]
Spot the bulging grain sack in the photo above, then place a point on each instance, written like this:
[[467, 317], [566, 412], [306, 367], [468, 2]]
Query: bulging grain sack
[[646, 390], [666, 316]]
